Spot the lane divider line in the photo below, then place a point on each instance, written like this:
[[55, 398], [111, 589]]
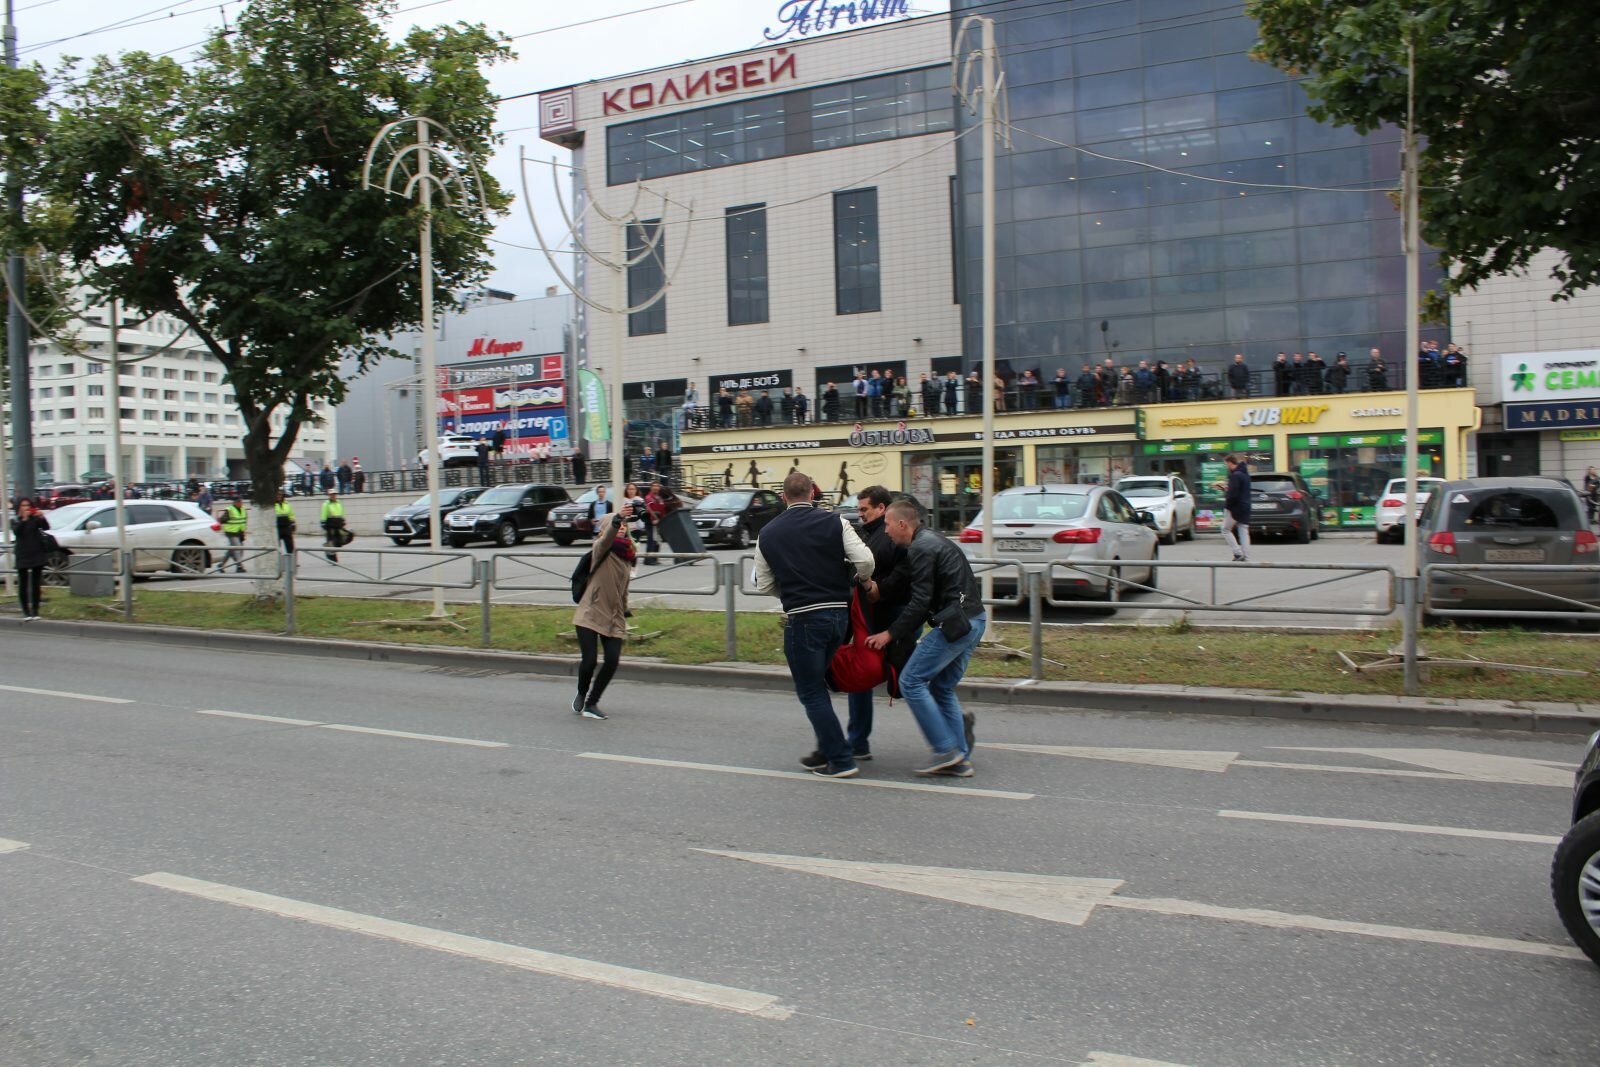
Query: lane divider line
[[683, 990], [8, 845], [258, 718], [65, 695], [1385, 772], [761, 772], [349, 729], [1397, 827]]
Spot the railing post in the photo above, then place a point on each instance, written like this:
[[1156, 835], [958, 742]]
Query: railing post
[[730, 591], [288, 593], [1410, 612], [1036, 621], [485, 570], [125, 566]]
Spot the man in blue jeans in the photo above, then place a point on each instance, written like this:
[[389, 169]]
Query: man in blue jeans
[[945, 594], [809, 559]]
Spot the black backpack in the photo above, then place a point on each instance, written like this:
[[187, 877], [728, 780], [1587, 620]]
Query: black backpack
[[580, 577]]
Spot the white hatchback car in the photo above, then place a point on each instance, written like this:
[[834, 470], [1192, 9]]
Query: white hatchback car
[[455, 450], [167, 535], [1075, 524], [1166, 497], [1390, 514]]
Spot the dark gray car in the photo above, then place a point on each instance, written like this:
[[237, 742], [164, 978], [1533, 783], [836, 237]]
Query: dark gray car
[[1282, 503], [1528, 524], [1575, 873]]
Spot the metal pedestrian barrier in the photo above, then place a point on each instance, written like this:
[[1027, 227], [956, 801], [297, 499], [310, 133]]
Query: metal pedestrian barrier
[[1231, 598], [1578, 599]]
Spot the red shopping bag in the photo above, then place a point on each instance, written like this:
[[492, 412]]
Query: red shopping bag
[[857, 668]]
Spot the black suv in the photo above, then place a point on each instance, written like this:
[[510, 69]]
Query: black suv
[[1575, 874], [1282, 503], [505, 515], [410, 521], [735, 516]]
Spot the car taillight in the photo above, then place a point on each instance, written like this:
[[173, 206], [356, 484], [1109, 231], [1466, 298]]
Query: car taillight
[[1087, 536], [1295, 494], [1443, 542], [972, 536], [1585, 542], [216, 527], [1391, 502]]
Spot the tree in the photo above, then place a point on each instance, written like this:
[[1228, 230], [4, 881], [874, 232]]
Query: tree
[[1505, 98], [228, 195]]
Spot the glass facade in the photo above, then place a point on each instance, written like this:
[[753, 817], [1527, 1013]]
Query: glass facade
[[1099, 256], [882, 108], [747, 264], [647, 274], [855, 252]]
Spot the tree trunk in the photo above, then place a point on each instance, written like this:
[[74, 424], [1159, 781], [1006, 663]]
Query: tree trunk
[[265, 465]]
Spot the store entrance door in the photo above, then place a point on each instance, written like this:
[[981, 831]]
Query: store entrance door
[[958, 487]]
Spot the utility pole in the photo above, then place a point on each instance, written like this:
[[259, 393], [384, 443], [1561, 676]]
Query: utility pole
[[17, 339], [1411, 609]]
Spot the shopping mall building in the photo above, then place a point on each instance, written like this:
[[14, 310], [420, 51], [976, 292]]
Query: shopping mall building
[[812, 207]]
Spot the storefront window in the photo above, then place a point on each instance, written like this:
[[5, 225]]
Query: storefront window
[[950, 484], [1201, 464], [1347, 472], [1085, 464]]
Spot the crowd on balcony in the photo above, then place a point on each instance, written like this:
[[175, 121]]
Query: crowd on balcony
[[874, 394]]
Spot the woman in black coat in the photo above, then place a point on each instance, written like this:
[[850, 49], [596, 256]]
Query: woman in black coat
[[28, 530]]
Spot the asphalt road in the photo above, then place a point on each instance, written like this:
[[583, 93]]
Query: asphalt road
[[369, 864], [537, 572]]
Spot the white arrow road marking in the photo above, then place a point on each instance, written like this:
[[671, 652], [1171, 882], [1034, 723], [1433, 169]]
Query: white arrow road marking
[[1398, 827], [61, 693], [684, 990], [1478, 766], [1071, 900], [806, 776], [8, 845], [346, 728], [1156, 757], [1111, 1059]]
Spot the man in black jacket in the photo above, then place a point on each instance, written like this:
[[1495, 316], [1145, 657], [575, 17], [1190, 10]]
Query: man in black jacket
[[807, 557], [1239, 377], [945, 594], [1236, 509]]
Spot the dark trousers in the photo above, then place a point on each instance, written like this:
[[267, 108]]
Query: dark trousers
[[29, 582], [810, 639], [483, 474], [286, 537], [590, 643]]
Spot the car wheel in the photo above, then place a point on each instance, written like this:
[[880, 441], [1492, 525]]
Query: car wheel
[[1575, 883], [1171, 536], [55, 568], [190, 558], [1110, 592], [738, 540], [1154, 571], [401, 541], [1188, 533], [564, 540], [1303, 535], [506, 535]]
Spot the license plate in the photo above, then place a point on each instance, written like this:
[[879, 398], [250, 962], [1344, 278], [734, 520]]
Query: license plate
[[1265, 505], [1014, 544], [394, 526], [563, 524], [1514, 555]]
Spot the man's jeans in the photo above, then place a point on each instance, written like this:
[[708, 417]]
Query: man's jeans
[[809, 641], [859, 732], [929, 682]]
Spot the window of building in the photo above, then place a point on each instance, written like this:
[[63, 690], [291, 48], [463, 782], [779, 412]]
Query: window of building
[[125, 413], [45, 416], [97, 413], [151, 416], [211, 420], [855, 251], [169, 394], [747, 264], [190, 416], [211, 398], [169, 416], [191, 398], [211, 376], [149, 394], [94, 368], [69, 390], [879, 108], [44, 393], [647, 249], [126, 390], [144, 372], [191, 376], [69, 413]]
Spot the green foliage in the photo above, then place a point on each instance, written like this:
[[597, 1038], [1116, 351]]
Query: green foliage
[[229, 195], [1505, 99]]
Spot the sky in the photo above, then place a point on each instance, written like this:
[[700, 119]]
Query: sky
[[554, 53]]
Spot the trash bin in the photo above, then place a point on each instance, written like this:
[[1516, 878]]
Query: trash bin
[[677, 529], [92, 575]]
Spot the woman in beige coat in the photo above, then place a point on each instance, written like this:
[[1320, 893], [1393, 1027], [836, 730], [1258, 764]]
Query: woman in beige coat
[[601, 616]]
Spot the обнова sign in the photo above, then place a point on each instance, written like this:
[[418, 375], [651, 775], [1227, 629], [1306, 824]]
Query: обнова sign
[[801, 18]]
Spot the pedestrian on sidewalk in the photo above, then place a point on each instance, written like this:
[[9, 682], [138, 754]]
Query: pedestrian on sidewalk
[[945, 594], [1236, 508], [235, 524], [333, 527], [283, 515], [601, 619], [806, 557], [31, 540]]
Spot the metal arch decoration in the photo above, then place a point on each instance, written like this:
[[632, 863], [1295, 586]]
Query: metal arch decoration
[[416, 162]]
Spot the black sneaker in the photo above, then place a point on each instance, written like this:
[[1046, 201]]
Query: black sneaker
[[577, 703], [592, 712], [863, 756], [813, 761], [960, 770], [968, 721], [834, 770]]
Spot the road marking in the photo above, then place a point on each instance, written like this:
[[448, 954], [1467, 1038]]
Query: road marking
[[1329, 768], [8, 845], [1398, 827], [1478, 766], [413, 737], [804, 776], [1111, 1059], [63, 693], [1071, 900], [1181, 759], [347, 728], [684, 990]]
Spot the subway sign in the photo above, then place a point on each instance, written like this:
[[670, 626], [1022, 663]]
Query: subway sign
[[1569, 375]]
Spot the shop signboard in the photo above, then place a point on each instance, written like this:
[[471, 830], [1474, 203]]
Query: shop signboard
[[1568, 375], [1580, 435], [1559, 415], [757, 380], [802, 18]]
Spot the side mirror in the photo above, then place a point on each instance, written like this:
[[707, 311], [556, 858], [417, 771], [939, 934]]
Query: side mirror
[[91, 525], [1145, 519]]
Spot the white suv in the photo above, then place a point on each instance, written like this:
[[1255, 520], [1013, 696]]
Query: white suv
[[455, 450], [1167, 498], [1390, 514]]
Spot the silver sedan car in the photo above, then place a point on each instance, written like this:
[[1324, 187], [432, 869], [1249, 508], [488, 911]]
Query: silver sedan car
[[1081, 525]]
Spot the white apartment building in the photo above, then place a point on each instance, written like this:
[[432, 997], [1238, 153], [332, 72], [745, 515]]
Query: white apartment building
[[820, 175], [178, 414]]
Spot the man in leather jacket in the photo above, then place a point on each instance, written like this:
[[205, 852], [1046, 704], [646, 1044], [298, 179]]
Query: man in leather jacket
[[945, 594]]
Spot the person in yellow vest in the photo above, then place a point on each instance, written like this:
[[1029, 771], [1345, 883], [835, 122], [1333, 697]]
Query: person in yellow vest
[[235, 521], [333, 525], [283, 512]]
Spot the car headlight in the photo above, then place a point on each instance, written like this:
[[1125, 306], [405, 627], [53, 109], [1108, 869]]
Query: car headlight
[[731, 520]]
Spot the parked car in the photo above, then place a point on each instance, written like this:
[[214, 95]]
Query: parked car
[[736, 516], [410, 522], [455, 450], [1078, 524], [505, 514], [56, 496], [95, 476], [1282, 503], [570, 522], [1166, 497], [1390, 514], [1575, 872], [166, 535], [1515, 521]]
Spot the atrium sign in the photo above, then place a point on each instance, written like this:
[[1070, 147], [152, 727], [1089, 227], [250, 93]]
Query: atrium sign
[[1570, 375], [802, 18]]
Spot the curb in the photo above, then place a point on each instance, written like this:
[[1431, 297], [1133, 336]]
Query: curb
[[1544, 718]]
